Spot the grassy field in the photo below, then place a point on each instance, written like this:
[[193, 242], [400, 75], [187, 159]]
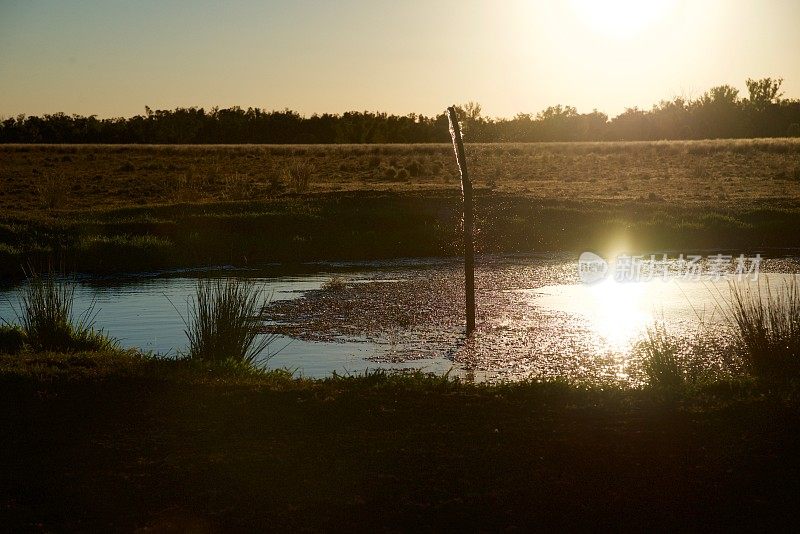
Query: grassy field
[[117, 441], [107, 208]]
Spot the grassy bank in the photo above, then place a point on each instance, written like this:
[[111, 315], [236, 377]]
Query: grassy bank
[[121, 441], [112, 208], [369, 225]]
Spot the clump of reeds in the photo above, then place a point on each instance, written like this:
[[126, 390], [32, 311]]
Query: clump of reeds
[[661, 358], [47, 322], [767, 327], [677, 363], [222, 323]]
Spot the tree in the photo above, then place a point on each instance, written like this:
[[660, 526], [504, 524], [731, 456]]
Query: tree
[[720, 95], [764, 92], [717, 114]]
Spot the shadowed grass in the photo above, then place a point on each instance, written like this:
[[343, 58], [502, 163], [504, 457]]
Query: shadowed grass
[[377, 451], [767, 328], [297, 175], [222, 323], [12, 339], [661, 361], [47, 321], [764, 324], [680, 364]]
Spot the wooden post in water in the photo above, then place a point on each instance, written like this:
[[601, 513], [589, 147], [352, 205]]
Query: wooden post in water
[[466, 191]]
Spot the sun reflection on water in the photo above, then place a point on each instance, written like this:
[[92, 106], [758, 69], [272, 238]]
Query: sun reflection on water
[[620, 312]]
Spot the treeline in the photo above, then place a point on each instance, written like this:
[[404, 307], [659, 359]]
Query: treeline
[[719, 113]]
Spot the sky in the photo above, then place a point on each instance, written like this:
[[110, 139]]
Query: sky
[[112, 58]]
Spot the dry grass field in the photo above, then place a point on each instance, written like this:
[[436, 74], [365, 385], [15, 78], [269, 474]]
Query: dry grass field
[[123, 207], [751, 171]]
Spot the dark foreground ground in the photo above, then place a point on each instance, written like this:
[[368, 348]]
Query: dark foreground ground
[[93, 443]]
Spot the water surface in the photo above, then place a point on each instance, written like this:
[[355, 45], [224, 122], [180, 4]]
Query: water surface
[[535, 318]]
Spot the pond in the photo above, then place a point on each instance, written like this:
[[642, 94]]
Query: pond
[[535, 317]]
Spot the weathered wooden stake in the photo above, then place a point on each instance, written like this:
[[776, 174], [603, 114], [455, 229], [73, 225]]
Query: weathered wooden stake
[[466, 191]]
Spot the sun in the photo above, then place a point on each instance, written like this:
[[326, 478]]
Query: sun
[[621, 18]]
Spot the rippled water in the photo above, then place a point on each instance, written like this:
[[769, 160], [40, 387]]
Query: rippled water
[[534, 317]]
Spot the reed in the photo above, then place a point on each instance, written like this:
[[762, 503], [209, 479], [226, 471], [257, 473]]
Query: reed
[[47, 320], [222, 323], [766, 327], [661, 358]]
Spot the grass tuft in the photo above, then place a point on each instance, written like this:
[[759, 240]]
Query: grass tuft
[[12, 339], [335, 283], [47, 321], [767, 328], [52, 190], [661, 359], [297, 175], [222, 324]]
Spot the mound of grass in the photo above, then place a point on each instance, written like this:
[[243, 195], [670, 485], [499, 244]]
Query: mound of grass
[[680, 364], [298, 175], [222, 323], [335, 283], [47, 320], [661, 360], [12, 339], [766, 325]]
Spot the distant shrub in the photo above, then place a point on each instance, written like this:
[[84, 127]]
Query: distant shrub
[[403, 174], [414, 168], [335, 283], [123, 252], [794, 130], [52, 190], [297, 175], [238, 186], [126, 167], [390, 173]]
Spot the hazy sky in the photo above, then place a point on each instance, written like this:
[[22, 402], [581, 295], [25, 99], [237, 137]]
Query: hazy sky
[[111, 58]]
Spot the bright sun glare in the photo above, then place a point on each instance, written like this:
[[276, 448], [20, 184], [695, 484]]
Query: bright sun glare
[[620, 18], [619, 311]]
